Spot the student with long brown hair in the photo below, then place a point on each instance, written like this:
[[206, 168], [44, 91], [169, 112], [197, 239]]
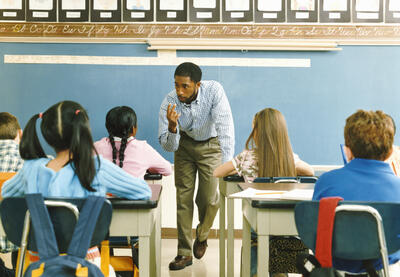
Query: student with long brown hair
[[273, 157], [268, 153]]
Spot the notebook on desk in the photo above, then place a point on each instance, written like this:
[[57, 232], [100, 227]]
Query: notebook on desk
[[294, 194], [343, 153]]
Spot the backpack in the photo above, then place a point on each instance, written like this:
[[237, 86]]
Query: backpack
[[73, 263]]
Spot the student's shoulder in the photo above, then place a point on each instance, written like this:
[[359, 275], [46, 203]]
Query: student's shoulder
[[39, 161], [142, 145], [34, 164], [332, 174], [104, 142]]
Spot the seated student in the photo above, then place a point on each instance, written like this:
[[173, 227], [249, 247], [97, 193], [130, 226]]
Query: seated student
[[10, 135], [10, 161], [369, 138], [266, 159], [75, 171], [122, 148], [268, 153]]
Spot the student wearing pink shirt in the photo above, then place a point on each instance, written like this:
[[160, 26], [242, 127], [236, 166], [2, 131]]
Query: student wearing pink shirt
[[122, 148]]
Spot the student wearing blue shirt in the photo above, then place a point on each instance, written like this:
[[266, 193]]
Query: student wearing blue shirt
[[369, 139], [195, 122], [75, 171]]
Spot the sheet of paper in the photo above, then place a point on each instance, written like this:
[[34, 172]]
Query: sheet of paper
[[335, 5], [204, 4], [10, 4], [269, 5], [176, 5], [105, 5], [41, 5], [298, 194], [303, 5], [237, 5], [367, 5], [394, 5], [73, 5], [258, 194], [138, 4]]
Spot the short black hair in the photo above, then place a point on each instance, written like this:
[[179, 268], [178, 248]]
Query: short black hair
[[189, 70]]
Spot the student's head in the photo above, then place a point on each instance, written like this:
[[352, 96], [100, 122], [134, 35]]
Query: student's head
[[9, 127], [187, 81], [270, 140], [369, 135], [121, 123], [394, 124], [64, 126]]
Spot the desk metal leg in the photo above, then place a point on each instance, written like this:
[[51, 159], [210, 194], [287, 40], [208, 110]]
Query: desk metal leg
[[158, 240], [263, 256], [230, 242], [245, 248], [144, 256], [153, 252], [222, 235]]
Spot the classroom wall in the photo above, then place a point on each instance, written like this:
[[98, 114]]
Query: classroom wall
[[315, 100]]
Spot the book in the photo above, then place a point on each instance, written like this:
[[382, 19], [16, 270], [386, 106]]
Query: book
[[295, 194]]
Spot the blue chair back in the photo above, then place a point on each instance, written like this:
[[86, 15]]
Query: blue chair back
[[355, 235], [13, 212]]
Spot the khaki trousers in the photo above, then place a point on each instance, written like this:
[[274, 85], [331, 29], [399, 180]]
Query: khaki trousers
[[194, 157]]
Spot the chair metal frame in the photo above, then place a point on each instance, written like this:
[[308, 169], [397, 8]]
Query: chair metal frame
[[26, 229], [381, 233]]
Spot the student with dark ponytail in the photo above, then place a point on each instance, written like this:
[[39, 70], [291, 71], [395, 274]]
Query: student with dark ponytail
[[122, 148], [77, 170]]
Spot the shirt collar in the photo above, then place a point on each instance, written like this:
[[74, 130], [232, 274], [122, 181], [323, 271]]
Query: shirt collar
[[8, 142], [128, 140], [368, 163]]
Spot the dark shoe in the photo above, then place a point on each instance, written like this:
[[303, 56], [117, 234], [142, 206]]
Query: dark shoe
[[180, 262], [199, 248]]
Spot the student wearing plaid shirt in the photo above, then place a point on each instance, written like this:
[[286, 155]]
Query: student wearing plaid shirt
[[10, 161], [10, 133], [195, 122]]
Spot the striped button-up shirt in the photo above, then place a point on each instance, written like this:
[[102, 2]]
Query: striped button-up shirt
[[10, 160], [206, 117]]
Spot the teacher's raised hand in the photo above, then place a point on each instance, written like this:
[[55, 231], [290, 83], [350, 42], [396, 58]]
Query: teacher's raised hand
[[172, 116]]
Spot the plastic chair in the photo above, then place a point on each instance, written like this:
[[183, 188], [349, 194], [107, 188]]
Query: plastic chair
[[361, 229], [4, 176], [64, 214]]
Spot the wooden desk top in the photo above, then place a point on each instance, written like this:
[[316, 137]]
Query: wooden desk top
[[276, 203], [139, 204]]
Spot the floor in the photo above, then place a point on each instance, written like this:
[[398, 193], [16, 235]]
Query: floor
[[207, 266]]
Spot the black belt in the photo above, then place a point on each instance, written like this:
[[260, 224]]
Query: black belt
[[183, 134]]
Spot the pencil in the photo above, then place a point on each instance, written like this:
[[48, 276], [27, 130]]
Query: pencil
[[265, 193]]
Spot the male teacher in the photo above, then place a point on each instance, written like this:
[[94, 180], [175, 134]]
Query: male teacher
[[195, 122]]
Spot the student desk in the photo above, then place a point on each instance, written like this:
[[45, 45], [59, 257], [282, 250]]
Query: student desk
[[227, 186], [141, 218], [267, 217]]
